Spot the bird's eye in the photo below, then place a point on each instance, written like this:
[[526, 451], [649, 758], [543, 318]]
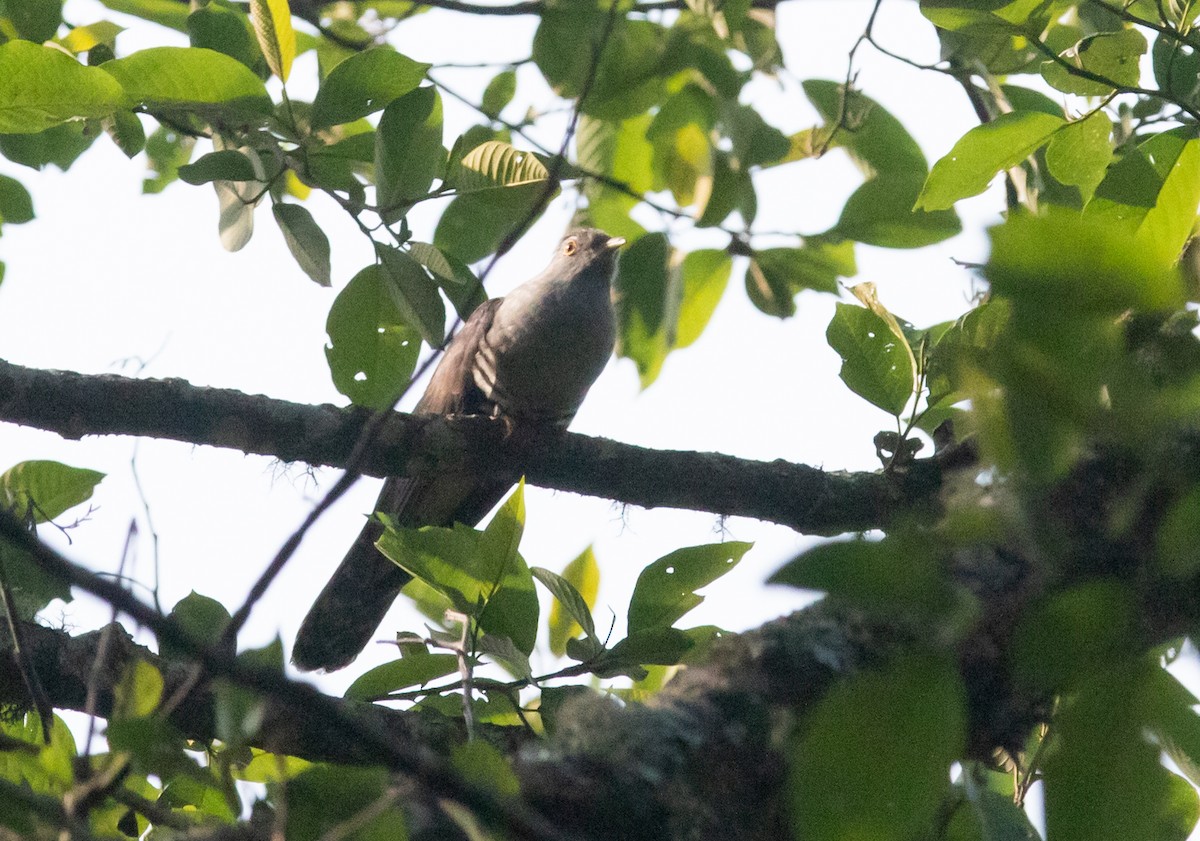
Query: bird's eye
[[570, 247]]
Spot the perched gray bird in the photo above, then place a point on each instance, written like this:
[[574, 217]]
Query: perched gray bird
[[529, 357]]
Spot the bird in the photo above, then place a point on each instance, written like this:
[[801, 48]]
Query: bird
[[527, 358]]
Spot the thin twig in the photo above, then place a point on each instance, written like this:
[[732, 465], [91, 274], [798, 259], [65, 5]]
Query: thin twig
[[101, 658]]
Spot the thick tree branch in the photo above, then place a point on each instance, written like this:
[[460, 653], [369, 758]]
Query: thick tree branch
[[805, 498], [309, 9]]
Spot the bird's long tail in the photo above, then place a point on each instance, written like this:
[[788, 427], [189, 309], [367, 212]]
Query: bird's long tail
[[352, 605]]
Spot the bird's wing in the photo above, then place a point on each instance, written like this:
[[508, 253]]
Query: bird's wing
[[442, 501], [452, 389]]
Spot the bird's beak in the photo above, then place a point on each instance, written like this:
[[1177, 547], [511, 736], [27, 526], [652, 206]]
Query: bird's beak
[[614, 242]]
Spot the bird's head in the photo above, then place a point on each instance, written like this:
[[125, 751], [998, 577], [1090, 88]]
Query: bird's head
[[588, 250]]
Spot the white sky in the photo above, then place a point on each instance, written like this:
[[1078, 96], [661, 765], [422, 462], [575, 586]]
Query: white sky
[[105, 274]]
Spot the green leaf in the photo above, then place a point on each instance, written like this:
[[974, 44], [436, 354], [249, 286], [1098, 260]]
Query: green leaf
[[705, 275], [876, 365], [225, 165], [504, 653], [680, 137], [305, 240], [571, 611], [155, 745], [1129, 189], [414, 668], [432, 603], [989, 816], [499, 92], [1041, 262], [444, 558], [989, 15], [512, 606], [481, 573], [665, 589], [497, 164], [202, 618], [166, 151], [272, 21], [755, 142], [414, 293], [270, 767], [873, 757], [30, 763], [1166, 228], [16, 205], [1176, 67], [35, 20], [126, 131], [1104, 779], [138, 692], [897, 576], [875, 139], [41, 87], [648, 288], [485, 768], [1026, 99], [1074, 635], [189, 79], [200, 793], [983, 152], [408, 151], [776, 275], [1079, 154], [458, 282], [947, 360], [80, 39], [45, 489], [619, 149], [32, 587], [167, 13], [1178, 535], [60, 146], [474, 225], [324, 799], [1171, 717], [363, 84], [227, 31], [372, 350], [1116, 56], [626, 81], [727, 187], [884, 212], [650, 647]]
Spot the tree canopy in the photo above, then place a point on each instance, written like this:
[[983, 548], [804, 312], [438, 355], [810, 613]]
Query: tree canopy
[[1003, 596]]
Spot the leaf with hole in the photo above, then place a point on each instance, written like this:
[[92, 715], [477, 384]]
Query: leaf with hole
[[665, 589]]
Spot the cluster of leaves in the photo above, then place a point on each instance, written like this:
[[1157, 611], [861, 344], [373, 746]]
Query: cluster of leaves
[[660, 113], [1084, 345], [1049, 386], [477, 588]]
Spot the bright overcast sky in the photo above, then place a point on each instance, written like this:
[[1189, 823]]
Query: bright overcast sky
[[106, 279]]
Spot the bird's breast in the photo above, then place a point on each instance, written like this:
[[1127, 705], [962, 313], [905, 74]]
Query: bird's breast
[[544, 352]]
